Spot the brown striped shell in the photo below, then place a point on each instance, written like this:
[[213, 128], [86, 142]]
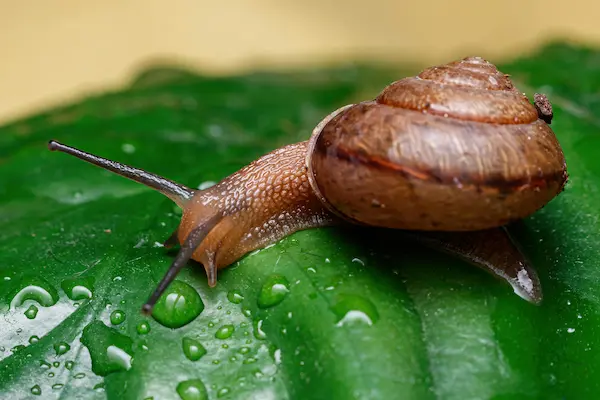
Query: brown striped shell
[[457, 147]]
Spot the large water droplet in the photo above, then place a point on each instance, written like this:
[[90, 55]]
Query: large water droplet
[[110, 350], [350, 308], [33, 288], [179, 305], [143, 328], [224, 332], [192, 389], [192, 349], [61, 348], [78, 288], [235, 296], [31, 312], [273, 291], [36, 390], [117, 317]]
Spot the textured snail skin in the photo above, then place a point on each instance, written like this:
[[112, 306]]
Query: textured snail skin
[[261, 203], [456, 148]]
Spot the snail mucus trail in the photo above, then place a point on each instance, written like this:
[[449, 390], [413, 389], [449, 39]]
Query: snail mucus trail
[[449, 157]]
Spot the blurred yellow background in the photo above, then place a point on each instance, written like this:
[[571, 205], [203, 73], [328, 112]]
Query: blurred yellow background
[[54, 51]]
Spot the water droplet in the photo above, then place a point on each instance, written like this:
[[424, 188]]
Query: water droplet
[[359, 261], [179, 305], [235, 296], [57, 386], [110, 350], [350, 308], [51, 374], [33, 288], [31, 312], [45, 364], [34, 339], [258, 332], [117, 317], [17, 348], [192, 349], [247, 312], [128, 148], [99, 387], [69, 365], [61, 348], [245, 350], [192, 389], [206, 185], [216, 362], [273, 291], [249, 360], [56, 364], [36, 390], [224, 332], [78, 288], [79, 375], [570, 330], [143, 328], [223, 392]]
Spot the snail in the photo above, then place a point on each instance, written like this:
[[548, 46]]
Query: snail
[[450, 156]]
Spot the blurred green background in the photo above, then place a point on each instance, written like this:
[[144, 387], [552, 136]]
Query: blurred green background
[[57, 50]]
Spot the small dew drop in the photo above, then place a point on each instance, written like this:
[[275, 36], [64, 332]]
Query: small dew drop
[[61, 348], [143, 328], [45, 364], [192, 389], [570, 330], [117, 317], [235, 297], [249, 360], [206, 184], [34, 339], [351, 309], [57, 386], [31, 312], [79, 375], [273, 291], [223, 392], [258, 332], [51, 374], [69, 365], [56, 364], [128, 148], [224, 332], [359, 261], [78, 288], [192, 349], [36, 390]]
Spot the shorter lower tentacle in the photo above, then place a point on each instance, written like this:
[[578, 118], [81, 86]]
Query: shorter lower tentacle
[[193, 240]]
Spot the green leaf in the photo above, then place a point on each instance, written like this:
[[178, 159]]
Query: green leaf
[[365, 314]]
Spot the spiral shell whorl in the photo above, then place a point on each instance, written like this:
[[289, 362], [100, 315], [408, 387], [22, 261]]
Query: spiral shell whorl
[[469, 89]]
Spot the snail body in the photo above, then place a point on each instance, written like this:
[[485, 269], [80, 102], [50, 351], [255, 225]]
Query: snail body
[[456, 148]]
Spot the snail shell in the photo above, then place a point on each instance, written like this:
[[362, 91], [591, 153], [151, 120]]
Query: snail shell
[[455, 148]]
